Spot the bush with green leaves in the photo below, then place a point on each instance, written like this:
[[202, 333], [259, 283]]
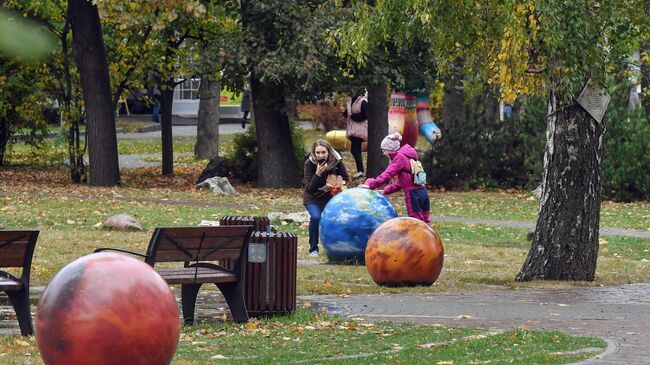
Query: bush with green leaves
[[483, 151], [241, 161], [626, 161]]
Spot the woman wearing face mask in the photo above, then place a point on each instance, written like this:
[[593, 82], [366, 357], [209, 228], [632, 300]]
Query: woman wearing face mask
[[322, 162]]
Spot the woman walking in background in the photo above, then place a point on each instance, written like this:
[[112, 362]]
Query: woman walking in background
[[357, 129]]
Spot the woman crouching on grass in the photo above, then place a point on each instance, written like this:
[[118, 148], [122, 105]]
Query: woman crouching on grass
[[323, 162]]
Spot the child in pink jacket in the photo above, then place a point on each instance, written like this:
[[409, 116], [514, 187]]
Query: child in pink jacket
[[417, 198]]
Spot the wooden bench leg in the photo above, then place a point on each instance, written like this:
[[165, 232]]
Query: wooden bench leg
[[188, 301], [20, 301], [234, 294]]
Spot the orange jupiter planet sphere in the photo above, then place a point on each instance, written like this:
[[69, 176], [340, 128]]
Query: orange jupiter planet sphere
[[404, 252]]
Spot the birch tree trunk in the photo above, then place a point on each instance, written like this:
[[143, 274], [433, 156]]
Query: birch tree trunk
[[565, 243]]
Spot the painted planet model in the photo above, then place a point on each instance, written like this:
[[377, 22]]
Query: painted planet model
[[107, 308]]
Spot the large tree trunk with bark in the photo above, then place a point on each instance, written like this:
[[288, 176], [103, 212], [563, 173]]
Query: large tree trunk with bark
[[207, 128], [166, 101], [377, 127], [565, 243], [89, 52], [276, 161]]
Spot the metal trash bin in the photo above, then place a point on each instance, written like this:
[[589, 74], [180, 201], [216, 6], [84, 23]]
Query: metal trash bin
[[269, 270], [270, 274]]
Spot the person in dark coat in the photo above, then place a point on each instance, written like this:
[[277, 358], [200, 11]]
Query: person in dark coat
[[245, 106], [322, 162], [357, 129]]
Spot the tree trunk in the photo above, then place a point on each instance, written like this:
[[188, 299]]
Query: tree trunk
[[377, 128], [4, 138], [276, 166], [166, 101], [207, 128], [89, 52], [565, 243], [453, 107], [645, 77]]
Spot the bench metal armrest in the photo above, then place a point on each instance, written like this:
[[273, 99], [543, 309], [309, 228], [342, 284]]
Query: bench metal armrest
[[6, 275], [119, 250]]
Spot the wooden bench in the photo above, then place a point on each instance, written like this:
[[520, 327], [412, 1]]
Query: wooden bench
[[198, 248], [16, 250]]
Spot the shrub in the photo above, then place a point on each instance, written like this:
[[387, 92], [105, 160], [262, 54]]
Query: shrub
[[626, 161], [324, 115], [483, 151]]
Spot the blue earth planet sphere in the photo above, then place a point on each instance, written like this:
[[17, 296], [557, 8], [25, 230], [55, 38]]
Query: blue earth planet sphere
[[349, 219]]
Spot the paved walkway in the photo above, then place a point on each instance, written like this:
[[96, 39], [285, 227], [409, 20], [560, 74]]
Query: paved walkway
[[190, 131], [144, 160], [620, 314], [604, 231]]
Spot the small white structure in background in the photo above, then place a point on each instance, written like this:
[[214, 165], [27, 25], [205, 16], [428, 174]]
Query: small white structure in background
[[218, 184], [122, 222], [186, 101]]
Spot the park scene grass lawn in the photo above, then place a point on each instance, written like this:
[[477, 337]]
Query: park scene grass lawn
[[477, 257], [308, 337]]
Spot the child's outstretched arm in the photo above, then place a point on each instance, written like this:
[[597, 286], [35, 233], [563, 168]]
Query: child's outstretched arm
[[396, 186], [390, 172]]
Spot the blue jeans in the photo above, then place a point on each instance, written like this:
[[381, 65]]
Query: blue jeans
[[314, 211], [155, 112]]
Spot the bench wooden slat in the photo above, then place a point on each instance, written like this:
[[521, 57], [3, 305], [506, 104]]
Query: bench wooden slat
[[16, 246], [12, 261], [7, 284], [191, 275], [177, 256], [189, 232], [203, 243], [13, 254]]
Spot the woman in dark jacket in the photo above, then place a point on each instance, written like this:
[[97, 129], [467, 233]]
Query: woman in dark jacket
[[322, 162]]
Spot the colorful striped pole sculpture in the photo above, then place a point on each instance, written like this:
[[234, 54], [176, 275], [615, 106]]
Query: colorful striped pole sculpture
[[428, 127]]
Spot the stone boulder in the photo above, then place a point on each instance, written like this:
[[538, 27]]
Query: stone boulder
[[219, 185], [298, 217], [122, 222], [215, 167]]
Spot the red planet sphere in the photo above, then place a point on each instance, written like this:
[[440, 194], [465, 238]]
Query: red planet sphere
[[404, 252], [107, 308]]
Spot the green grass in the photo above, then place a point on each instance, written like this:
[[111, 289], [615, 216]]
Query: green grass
[[477, 257], [307, 337]]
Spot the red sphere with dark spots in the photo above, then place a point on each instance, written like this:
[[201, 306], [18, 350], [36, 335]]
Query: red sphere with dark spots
[[404, 252], [107, 308]]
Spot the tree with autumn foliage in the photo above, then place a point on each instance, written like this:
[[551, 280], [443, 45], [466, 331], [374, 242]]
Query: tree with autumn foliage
[[547, 47], [137, 36], [285, 50]]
